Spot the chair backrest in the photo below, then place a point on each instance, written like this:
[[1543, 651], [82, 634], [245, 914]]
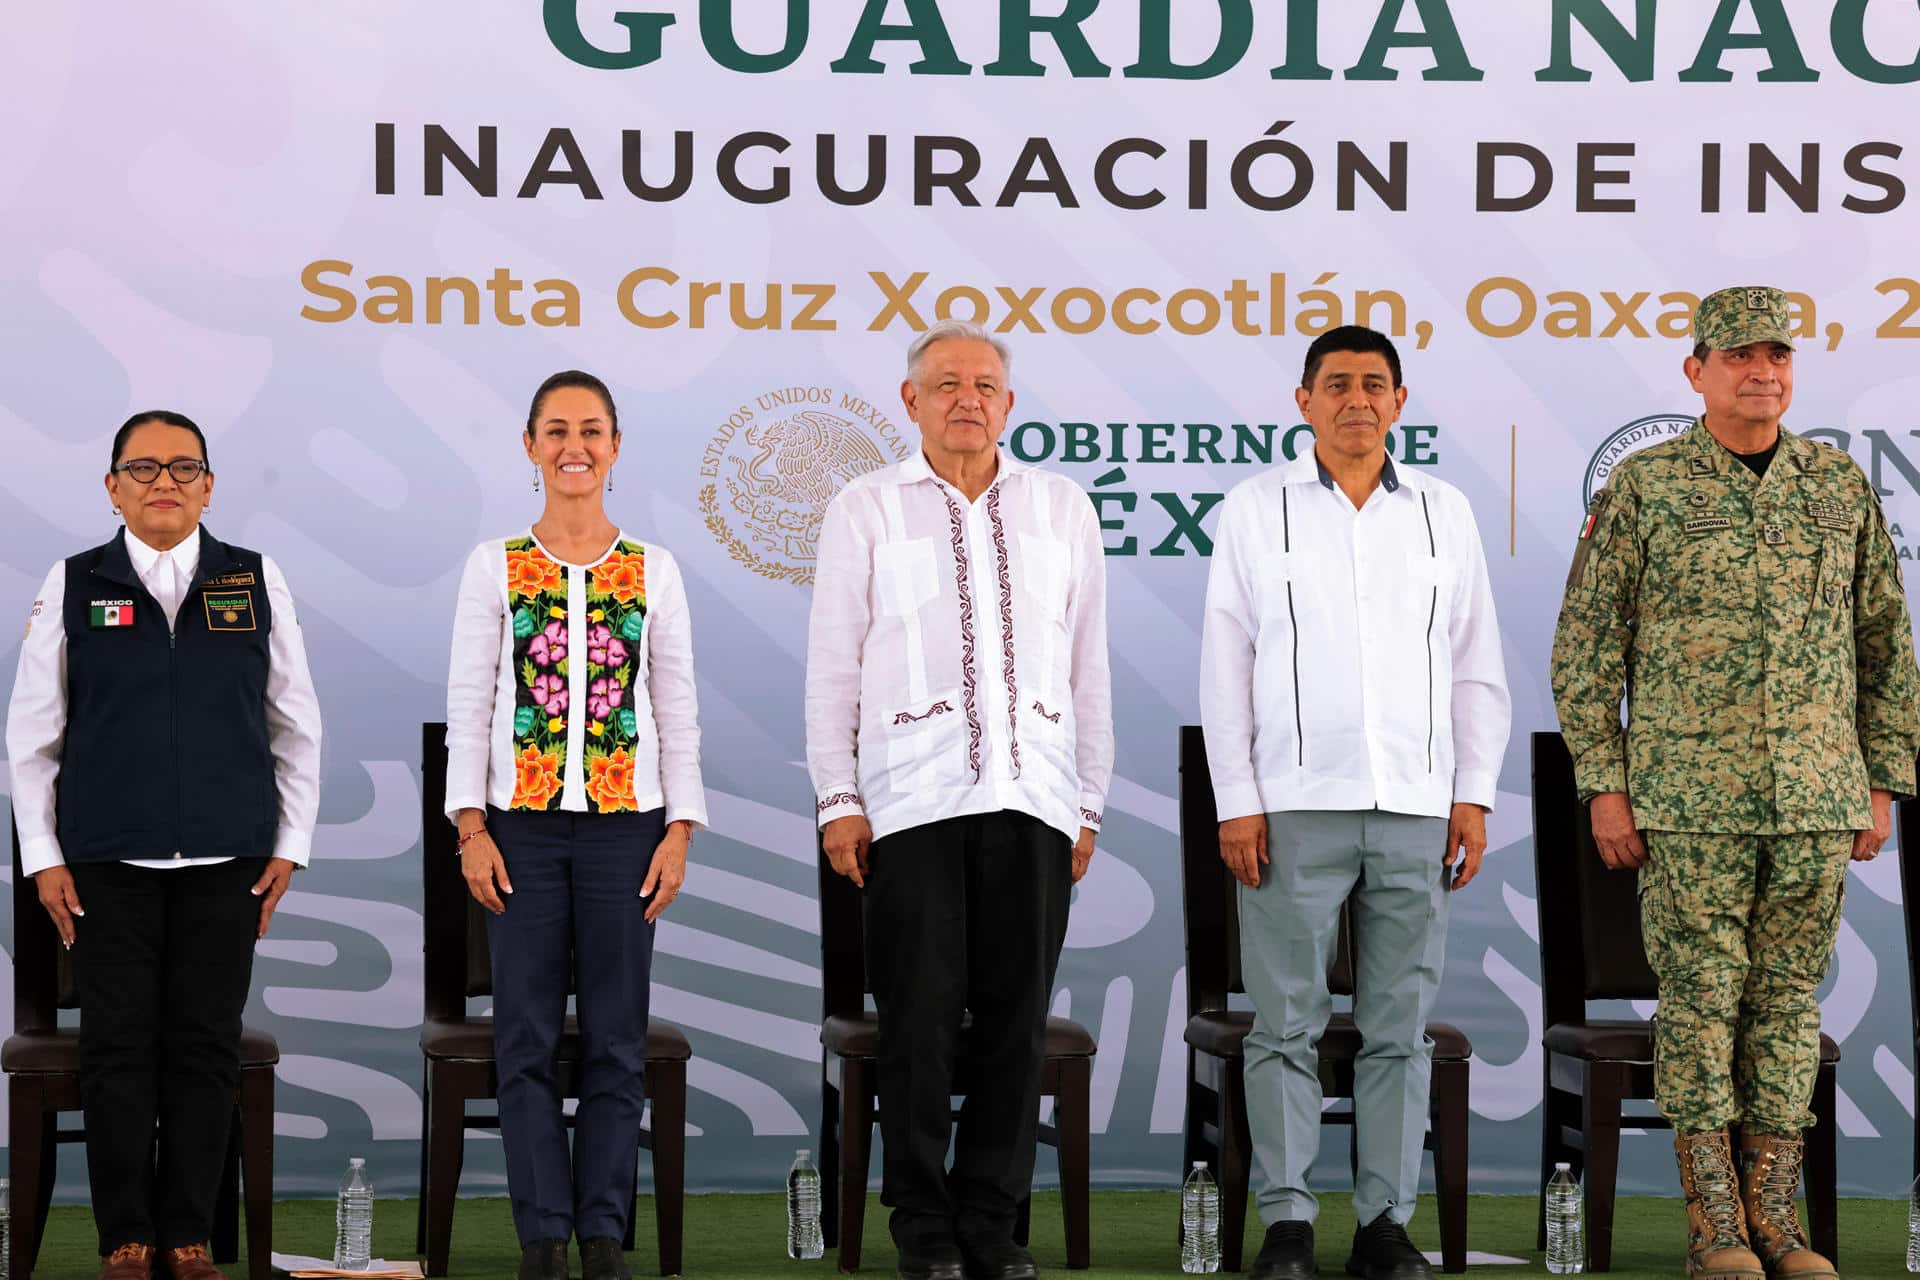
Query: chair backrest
[[1907, 823], [1209, 897], [42, 968], [843, 941], [457, 962], [1589, 916]]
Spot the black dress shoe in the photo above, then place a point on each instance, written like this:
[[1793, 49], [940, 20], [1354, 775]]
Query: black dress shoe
[[601, 1259], [543, 1259], [1286, 1254], [932, 1262], [998, 1260], [1381, 1251]]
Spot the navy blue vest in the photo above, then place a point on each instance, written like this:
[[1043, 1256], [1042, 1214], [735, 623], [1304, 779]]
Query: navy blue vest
[[166, 741]]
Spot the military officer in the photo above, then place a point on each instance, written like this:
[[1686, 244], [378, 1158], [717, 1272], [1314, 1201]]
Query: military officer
[[1740, 585]]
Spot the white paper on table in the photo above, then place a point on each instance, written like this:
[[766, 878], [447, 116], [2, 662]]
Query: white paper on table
[[376, 1268]]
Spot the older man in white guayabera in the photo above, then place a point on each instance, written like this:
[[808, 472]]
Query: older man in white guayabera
[[960, 740], [1355, 703]]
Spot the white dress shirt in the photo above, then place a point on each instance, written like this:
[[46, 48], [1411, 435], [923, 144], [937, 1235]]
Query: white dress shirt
[[957, 652], [482, 688], [1350, 659], [37, 714]]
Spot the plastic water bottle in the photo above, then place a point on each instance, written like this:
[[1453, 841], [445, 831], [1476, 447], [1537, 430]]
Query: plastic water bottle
[[1913, 1226], [353, 1219], [803, 1208], [1200, 1222], [1566, 1240]]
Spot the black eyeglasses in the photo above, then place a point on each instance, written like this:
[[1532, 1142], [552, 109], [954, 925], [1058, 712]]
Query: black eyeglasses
[[147, 470]]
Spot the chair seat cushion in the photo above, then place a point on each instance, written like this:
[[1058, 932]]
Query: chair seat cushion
[[1223, 1033], [58, 1052], [471, 1039], [858, 1036], [1625, 1040]]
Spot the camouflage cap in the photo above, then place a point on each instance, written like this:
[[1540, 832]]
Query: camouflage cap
[[1735, 317]]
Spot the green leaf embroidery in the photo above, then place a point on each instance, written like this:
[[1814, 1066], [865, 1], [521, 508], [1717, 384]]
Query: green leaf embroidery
[[630, 628], [629, 723], [560, 668], [527, 673], [523, 720], [522, 623]]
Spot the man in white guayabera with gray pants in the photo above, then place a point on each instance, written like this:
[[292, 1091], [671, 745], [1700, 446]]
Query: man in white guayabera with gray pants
[[1356, 711]]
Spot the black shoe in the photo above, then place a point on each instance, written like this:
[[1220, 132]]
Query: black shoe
[[998, 1260], [1286, 1254], [544, 1259], [602, 1259], [1381, 1251], [932, 1262]]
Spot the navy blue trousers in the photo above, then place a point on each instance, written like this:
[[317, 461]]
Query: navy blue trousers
[[575, 922]]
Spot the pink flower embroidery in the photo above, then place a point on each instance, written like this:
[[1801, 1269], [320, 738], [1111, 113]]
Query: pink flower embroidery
[[604, 648], [550, 646], [604, 697], [550, 692]]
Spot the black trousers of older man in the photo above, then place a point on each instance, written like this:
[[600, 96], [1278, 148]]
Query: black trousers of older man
[[965, 915], [162, 961]]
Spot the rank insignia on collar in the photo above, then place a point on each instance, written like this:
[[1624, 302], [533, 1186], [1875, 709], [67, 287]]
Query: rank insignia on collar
[[1700, 466], [1803, 462], [1697, 499], [1774, 535]]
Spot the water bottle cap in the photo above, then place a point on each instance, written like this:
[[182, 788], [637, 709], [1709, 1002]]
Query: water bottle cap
[[805, 1151], [1563, 1167], [357, 1162], [1199, 1164]]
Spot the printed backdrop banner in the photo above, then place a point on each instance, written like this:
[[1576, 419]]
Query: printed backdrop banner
[[350, 239]]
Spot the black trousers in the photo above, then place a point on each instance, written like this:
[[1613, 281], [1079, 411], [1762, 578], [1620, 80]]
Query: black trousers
[[162, 962], [575, 922], [964, 915]]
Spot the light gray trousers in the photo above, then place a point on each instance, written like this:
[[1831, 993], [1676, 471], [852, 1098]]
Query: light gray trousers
[[1390, 864]]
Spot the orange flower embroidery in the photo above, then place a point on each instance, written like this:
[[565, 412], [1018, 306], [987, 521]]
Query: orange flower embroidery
[[529, 574], [610, 781], [622, 576], [537, 779]]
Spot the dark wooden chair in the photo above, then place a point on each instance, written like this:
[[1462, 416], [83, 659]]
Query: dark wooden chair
[[1907, 824], [42, 1063], [1591, 949], [1216, 1119], [458, 1047], [849, 1084]]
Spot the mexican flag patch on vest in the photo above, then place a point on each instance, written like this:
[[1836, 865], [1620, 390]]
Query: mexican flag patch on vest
[[112, 613]]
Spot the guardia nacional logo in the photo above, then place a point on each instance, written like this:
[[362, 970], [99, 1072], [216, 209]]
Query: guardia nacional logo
[[1632, 438], [774, 465]]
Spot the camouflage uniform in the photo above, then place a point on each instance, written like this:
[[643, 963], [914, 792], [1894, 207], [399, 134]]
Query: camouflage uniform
[[1760, 630]]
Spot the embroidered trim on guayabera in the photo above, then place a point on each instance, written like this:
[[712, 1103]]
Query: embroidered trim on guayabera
[[1092, 817], [838, 798], [1007, 672], [1041, 707], [939, 708], [969, 684]]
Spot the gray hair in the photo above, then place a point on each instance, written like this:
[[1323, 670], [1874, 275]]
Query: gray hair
[[950, 329]]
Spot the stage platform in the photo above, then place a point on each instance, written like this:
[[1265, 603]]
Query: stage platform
[[740, 1236]]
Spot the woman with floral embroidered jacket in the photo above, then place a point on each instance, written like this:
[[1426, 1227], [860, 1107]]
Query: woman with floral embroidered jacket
[[573, 776]]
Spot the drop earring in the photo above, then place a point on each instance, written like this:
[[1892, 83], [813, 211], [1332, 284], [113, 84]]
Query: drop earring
[[536, 479], [609, 482]]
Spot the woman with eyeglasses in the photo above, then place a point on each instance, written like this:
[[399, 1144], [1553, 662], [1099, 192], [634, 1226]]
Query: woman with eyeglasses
[[164, 740], [573, 776]]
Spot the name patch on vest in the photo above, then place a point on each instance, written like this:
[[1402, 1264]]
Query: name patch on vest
[[227, 580], [110, 613], [1706, 524], [229, 610]]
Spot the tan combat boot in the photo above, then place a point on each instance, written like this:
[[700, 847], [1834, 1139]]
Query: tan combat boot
[[1716, 1228], [1769, 1181]]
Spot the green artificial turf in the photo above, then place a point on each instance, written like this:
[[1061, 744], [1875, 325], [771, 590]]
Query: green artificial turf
[[1133, 1235]]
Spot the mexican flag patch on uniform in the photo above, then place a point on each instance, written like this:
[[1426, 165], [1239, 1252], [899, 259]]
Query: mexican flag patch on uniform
[[112, 613]]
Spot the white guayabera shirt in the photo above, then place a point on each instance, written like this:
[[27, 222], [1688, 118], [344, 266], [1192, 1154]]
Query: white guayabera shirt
[[957, 652]]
